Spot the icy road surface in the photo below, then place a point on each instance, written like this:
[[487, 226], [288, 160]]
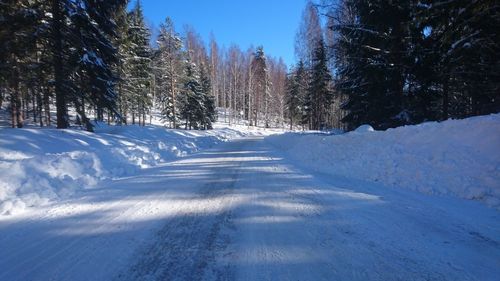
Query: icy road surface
[[241, 212]]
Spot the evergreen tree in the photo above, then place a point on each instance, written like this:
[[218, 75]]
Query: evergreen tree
[[408, 62], [319, 94], [138, 65], [82, 55], [17, 36], [462, 40], [168, 68], [95, 53], [296, 92], [192, 98], [261, 86], [61, 57], [209, 113], [121, 67], [371, 62]]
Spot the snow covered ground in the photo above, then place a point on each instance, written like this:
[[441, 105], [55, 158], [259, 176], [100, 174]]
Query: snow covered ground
[[239, 205], [40, 166], [456, 157]]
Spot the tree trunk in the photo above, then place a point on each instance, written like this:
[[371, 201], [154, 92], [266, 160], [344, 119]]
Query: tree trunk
[[33, 105], [1, 97], [46, 103], [172, 94], [62, 112], [445, 99], [13, 108], [15, 102], [39, 106]]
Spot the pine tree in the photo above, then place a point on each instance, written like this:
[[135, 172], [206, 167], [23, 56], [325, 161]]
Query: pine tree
[[408, 62], [296, 91], [168, 68], [261, 86], [319, 95], [121, 68], [462, 40], [60, 58], [371, 62], [138, 65], [192, 99], [209, 113], [95, 55]]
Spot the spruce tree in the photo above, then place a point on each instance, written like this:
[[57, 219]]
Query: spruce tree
[[122, 66], [463, 36], [139, 68], [296, 90], [93, 29], [60, 59], [372, 63], [168, 63], [192, 99], [319, 95], [209, 113], [261, 85]]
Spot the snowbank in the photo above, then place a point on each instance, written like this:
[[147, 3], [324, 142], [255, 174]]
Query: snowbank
[[42, 165], [456, 157]]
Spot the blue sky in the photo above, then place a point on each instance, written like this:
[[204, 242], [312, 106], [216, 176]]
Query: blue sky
[[271, 23]]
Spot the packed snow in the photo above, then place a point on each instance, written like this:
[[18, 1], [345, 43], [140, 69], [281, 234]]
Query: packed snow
[[456, 157]]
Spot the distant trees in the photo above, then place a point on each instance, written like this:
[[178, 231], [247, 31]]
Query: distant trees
[[237, 86], [277, 105]]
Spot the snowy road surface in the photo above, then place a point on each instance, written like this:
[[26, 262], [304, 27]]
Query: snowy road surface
[[242, 212]]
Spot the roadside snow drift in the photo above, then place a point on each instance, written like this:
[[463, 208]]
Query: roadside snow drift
[[455, 157], [42, 165]]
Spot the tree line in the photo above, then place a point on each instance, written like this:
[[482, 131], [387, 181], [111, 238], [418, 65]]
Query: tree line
[[395, 63], [383, 63], [249, 85], [84, 58]]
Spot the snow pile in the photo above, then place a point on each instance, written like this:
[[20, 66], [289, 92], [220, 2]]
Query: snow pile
[[364, 129], [455, 157], [41, 165]]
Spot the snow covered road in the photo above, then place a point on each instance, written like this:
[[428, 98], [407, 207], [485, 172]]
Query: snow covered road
[[241, 211]]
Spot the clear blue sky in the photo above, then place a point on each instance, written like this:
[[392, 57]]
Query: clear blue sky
[[271, 23]]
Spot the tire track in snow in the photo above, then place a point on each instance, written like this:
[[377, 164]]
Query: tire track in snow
[[187, 245]]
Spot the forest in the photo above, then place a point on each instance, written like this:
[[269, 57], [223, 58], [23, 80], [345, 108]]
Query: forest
[[383, 63]]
